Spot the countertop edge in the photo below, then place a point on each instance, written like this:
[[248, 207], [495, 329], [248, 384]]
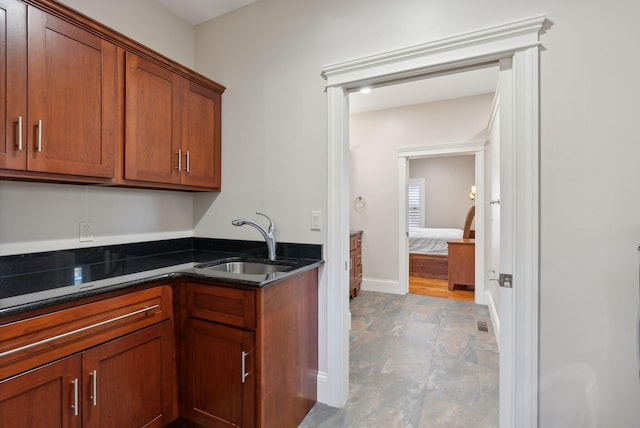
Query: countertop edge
[[169, 273]]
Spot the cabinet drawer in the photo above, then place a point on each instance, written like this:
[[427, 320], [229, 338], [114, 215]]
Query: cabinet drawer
[[38, 340], [231, 306]]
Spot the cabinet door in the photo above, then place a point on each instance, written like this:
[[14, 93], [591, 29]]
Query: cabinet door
[[130, 382], [201, 135], [13, 84], [72, 114], [47, 397], [152, 122], [216, 394]]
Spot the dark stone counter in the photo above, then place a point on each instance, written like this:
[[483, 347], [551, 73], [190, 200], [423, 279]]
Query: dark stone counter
[[31, 281]]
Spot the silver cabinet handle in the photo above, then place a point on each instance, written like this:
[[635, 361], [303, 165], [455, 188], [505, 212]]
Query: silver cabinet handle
[[74, 406], [179, 153], [39, 135], [94, 393], [19, 132], [244, 371], [79, 330], [188, 160]]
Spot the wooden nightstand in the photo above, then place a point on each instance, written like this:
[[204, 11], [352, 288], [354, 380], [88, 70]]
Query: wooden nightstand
[[462, 262], [355, 273]]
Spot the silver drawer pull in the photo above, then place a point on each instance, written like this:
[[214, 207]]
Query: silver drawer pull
[[188, 160], [79, 330], [39, 147], [244, 371], [94, 382], [74, 406], [179, 154], [19, 133]]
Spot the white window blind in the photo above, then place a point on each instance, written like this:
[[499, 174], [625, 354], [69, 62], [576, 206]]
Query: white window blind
[[415, 197]]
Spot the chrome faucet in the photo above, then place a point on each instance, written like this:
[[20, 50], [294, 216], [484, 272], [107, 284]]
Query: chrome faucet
[[269, 235]]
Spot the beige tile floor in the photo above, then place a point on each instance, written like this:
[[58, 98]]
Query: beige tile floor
[[416, 361]]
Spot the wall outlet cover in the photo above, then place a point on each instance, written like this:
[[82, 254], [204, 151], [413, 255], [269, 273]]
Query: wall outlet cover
[[86, 231]]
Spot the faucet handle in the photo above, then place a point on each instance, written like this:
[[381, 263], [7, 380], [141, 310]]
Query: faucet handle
[[271, 226]]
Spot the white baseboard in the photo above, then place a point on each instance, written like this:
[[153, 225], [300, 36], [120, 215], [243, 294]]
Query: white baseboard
[[382, 286], [495, 318], [323, 388]]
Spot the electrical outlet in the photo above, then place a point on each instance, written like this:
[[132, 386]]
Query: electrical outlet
[[86, 231]]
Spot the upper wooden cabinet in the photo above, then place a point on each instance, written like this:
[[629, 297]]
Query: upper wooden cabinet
[[66, 122], [82, 103], [172, 127], [13, 84], [71, 121], [152, 122]]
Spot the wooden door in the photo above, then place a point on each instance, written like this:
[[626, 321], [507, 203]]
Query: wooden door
[[43, 398], [13, 84], [72, 126], [129, 382], [201, 135], [215, 392], [152, 122]]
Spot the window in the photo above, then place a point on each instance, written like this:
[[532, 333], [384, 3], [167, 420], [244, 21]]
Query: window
[[415, 197]]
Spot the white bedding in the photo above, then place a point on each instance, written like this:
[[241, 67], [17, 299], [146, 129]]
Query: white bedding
[[431, 241]]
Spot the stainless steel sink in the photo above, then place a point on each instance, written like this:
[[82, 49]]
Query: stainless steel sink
[[246, 266]]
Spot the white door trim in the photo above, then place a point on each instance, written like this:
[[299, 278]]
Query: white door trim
[[475, 148], [520, 42]]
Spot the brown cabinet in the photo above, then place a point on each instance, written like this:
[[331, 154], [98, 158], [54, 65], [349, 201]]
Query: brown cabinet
[[13, 84], [69, 124], [355, 271], [118, 384], [172, 127], [43, 398], [249, 358], [109, 363], [462, 262], [129, 382], [221, 375], [71, 89]]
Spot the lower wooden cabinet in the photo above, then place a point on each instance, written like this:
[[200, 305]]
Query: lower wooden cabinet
[[127, 382], [248, 358], [44, 397], [219, 374], [130, 382], [462, 263]]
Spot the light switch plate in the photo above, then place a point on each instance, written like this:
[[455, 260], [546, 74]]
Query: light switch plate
[[316, 220]]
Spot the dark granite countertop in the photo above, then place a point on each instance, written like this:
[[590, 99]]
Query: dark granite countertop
[[35, 280]]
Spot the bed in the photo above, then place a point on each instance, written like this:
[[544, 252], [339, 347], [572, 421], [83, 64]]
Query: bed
[[428, 248]]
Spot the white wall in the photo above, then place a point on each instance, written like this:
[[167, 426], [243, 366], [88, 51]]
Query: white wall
[[37, 217], [448, 182], [270, 54], [145, 21], [374, 140]]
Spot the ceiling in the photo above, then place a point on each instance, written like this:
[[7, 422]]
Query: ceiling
[[197, 11], [458, 85]]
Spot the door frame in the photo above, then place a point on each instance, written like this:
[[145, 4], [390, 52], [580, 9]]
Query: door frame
[[518, 42], [475, 148]]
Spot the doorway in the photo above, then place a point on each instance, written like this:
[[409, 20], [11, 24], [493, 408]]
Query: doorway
[[516, 46]]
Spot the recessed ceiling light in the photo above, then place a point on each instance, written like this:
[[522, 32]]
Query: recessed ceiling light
[[365, 89]]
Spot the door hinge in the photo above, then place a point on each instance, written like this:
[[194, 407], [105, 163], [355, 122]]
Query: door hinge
[[506, 280]]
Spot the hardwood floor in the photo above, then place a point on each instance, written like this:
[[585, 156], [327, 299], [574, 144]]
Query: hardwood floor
[[438, 288]]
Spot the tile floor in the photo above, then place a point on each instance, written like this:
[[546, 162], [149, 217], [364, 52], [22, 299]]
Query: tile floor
[[416, 361]]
